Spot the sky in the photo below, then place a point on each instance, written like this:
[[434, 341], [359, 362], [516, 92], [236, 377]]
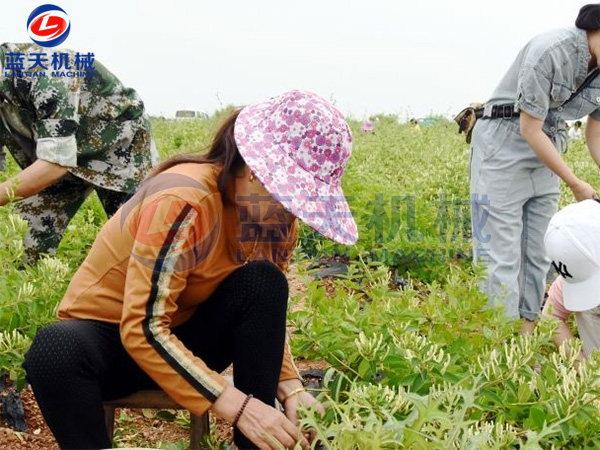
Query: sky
[[411, 58]]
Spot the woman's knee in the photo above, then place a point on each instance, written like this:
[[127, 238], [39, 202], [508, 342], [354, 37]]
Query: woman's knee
[[267, 272], [55, 350], [264, 280]]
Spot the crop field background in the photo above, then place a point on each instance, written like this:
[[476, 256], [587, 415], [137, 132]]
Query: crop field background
[[415, 357]]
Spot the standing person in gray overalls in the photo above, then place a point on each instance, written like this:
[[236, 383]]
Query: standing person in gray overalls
[[516, 164]]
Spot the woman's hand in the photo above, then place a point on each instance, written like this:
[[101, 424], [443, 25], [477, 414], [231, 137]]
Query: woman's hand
[[583, 191], [303, 398], [299, 397], [265, 426], [269, 428]]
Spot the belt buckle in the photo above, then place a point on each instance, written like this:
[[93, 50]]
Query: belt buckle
[[510, 109], [487, 110]]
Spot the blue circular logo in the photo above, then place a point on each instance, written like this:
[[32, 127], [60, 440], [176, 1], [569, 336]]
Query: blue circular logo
[[48, 25]]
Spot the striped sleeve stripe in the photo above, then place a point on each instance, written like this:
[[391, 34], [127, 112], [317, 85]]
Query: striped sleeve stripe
[[155, 333]]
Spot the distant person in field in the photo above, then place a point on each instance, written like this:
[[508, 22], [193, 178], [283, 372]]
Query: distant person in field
[[70, 136], [187, 279], [367, 127], [573, 244], [575, 130], [516, 163], [414, 123]]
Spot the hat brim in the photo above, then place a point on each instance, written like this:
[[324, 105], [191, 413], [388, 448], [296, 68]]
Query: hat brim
[[320, 205], [582, 296]]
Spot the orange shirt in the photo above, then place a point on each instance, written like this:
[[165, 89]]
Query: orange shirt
[[162, 254]]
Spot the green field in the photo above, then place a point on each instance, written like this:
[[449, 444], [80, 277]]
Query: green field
[[417, 359]]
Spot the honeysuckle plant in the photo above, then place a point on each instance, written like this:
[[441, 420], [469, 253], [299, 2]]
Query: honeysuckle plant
[[397, 381]]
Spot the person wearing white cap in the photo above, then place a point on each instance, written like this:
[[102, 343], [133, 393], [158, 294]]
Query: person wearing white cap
[[573, 244]]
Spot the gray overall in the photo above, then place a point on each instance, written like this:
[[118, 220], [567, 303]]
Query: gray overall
[[513, 194]]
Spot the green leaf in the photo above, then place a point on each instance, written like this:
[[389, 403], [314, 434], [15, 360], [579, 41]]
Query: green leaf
[[449, 376], [493, 397], [163, 414], [564, 429], [149, 413], [364, 368], [524, 392], [395, 363], [537, 418]]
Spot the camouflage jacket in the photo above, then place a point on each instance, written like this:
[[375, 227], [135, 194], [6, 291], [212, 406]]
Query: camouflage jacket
[[92, 124]]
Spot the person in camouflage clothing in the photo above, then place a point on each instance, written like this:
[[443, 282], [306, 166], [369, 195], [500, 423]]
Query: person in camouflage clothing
[[71, 136]]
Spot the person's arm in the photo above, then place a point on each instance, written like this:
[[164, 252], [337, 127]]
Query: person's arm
[[31, 180], [56, 105], [532, 132], [288, 368], [592, 138], [534, 93], [55, 102], [161, 260], [555, 308], [563, 333]]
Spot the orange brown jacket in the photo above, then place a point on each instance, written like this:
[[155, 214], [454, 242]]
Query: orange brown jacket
[[161, 255]]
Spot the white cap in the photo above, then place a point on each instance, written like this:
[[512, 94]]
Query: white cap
[[573, 244]]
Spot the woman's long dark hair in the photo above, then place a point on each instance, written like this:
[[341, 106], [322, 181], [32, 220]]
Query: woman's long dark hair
[[223, 152]]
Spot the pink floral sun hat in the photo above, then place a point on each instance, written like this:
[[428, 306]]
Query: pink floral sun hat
[[297, 144]]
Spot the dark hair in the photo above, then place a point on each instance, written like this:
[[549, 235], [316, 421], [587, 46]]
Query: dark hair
[[223, 152], [578, 123], [589, 17]]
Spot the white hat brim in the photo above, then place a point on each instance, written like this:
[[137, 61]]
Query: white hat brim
[[582, 296]]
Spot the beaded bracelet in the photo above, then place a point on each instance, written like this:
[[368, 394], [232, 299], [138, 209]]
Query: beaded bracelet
[[239, 414]]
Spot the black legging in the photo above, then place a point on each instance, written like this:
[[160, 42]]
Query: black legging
[[74, 365]]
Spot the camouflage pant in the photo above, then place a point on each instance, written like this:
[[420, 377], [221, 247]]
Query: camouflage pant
[[50, 211]]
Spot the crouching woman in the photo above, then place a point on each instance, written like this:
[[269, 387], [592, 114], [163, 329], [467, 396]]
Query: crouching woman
[[186, 279]]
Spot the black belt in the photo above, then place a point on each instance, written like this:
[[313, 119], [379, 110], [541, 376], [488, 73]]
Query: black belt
[[506, 111]]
